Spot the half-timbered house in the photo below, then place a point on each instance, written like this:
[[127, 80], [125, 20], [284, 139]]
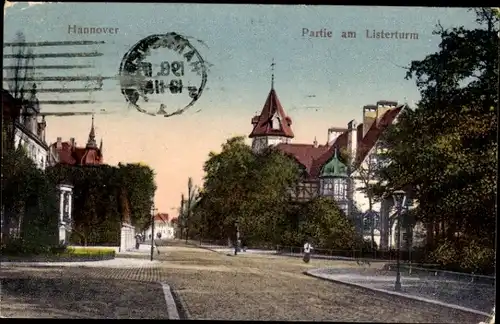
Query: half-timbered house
[[339, 169]]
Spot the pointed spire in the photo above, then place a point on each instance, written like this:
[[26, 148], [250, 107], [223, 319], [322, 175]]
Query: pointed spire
[[315, 143], [91, 143], [100, 146], [272, 74], [335, 156]]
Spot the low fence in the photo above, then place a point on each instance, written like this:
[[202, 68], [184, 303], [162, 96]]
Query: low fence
[[421, 271], [416, 256], [331, 253]]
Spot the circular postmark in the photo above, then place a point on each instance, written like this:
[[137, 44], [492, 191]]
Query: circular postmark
[[162, 75]]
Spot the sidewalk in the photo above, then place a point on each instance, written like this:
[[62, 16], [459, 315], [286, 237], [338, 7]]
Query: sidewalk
[[226, 250], [113, 263], [478, 298]]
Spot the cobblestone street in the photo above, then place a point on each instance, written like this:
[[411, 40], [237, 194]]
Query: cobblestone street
[[214, 286], [58, 293]]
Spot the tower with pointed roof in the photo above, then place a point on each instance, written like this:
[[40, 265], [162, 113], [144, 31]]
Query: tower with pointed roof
[[333, 181], [272, 126], [91, 143], [70, 154]]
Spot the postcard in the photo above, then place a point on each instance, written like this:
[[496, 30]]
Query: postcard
[[353, 137]]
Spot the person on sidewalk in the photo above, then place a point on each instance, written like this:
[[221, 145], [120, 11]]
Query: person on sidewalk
[[156, 247], [137, 241], [307, 251]]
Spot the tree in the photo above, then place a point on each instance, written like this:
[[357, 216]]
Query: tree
[[325, 223], [29, 202], [265, 212], [138, 181], [254, 189], [23, 67], [445, 150], [104, 197], [225, 186]]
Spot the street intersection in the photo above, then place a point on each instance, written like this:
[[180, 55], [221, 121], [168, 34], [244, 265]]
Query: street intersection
[[209, 285]]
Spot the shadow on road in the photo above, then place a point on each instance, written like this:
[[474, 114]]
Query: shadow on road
[[66, 297]]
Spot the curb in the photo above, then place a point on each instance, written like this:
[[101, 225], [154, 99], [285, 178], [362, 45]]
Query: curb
[[210, 249], [172, 311], [181, 305], [394, 293]]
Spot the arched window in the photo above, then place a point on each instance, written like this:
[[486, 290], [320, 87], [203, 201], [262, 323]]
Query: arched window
[[275, 123], [340, 188], [328, 187]]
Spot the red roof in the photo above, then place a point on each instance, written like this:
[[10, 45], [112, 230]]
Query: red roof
[[314, 158], [161, 218], [371, 137], [77, 155], [263, 122]]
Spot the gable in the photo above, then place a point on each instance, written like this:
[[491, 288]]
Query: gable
[[366, 144], [263, 123]]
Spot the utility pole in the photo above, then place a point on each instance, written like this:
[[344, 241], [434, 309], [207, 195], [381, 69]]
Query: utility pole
[[190, 203], [153, 211], [181, 216], [237, 244]]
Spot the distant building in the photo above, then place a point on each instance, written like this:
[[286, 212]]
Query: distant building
[[68, 153], [23, 118], [163, 225]]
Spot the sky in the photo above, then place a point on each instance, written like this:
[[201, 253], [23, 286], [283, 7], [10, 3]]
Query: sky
[[320, 81]]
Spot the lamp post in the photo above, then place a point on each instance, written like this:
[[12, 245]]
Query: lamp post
[[182, 217], [153, 210], [399, 197], [236, 246]]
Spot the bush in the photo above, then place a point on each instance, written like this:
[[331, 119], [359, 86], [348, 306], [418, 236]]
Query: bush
[[471, 257], [17, 250], [477, 258], [445, 254], [87, 251], [20, 246]]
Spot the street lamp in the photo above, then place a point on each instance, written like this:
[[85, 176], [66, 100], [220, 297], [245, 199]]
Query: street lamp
[[153, 211], [399, 197], [236, 246]]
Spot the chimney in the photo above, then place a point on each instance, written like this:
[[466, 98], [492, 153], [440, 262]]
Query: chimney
[[334, 133], [72, 142], [383, 106], [315, 143], [369, 117], [359, 133], [352, 138], [59, 143]]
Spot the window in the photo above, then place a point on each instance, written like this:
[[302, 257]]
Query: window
[[328, 188], [275, 123], [340, 188]]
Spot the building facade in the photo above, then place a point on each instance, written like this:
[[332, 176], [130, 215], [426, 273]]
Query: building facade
[[68, 153], [163, 227], [27, 125], [341, 168]]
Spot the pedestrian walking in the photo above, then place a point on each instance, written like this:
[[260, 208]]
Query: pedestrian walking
[[307, 252], [156, 247], [137, 241]]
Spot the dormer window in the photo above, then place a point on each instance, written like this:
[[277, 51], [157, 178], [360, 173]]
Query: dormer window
[[275, 123]]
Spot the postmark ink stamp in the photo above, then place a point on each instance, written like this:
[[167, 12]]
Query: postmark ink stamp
[[160, 72]]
